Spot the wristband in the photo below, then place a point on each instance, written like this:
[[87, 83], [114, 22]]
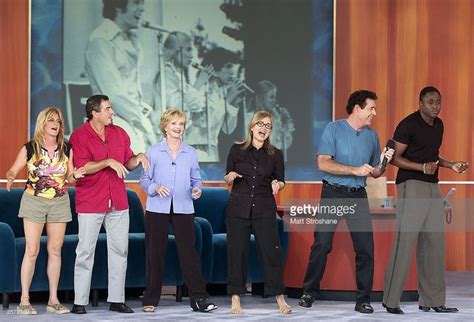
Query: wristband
[[74, 177], [424, 165]]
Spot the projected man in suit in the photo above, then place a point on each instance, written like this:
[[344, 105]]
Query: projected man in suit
[[418, 139], [348, 152]]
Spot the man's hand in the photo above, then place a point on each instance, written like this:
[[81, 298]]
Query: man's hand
[[387, 154], [141, 158], [162, 191], [231, 176], [196, 193], [430, 167], [9, 184], [203, 76], [118, 168], [363, 171], [459, 166], [233, 92]]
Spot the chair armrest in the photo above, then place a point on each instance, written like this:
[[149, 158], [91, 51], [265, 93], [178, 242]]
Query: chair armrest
[[8, 266], [207, 247]]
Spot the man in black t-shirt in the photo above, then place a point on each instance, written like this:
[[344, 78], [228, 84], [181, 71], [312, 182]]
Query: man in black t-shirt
[[418, 139]]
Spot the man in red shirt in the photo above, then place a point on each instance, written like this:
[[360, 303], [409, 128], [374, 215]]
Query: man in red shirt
[[103, 149]]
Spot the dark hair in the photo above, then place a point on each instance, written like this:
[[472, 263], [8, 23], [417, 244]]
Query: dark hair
[[218, 57], [93, 104], [359, 98], [428, 89], [110, 7]]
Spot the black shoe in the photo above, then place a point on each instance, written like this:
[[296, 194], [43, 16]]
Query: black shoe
[[120, 307], [306, 301], [439, 309], [78, 309], [202, 305], [364, 307], [393, 310]]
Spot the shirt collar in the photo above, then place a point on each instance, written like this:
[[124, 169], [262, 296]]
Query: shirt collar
[[164, 147], [423, 122], [93, 133], [110, 29]]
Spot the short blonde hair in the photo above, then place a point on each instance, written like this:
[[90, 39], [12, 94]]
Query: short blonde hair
[[168, 115]]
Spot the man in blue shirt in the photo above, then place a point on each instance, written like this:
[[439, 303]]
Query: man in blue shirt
[[348, 152]]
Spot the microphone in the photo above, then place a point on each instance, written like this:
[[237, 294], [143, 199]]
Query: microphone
[[248, 88], [199, 67], [155, 27], [390, 145], [173, 163]]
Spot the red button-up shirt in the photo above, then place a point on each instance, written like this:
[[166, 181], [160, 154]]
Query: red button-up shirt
[[103, 190]]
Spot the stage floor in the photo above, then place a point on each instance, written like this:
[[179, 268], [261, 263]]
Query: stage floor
[[460, 293]]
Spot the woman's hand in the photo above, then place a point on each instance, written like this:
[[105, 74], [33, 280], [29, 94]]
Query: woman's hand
[[230, 177], [79, 173], [162, 191], [275, 186], [196, 193]]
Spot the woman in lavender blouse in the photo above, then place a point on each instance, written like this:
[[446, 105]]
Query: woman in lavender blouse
[[171, 183]]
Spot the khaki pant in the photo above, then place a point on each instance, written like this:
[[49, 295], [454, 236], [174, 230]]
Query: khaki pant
[[420, 220], [116, 224]]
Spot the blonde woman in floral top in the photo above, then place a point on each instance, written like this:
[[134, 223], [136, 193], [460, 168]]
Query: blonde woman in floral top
[[45, 202]]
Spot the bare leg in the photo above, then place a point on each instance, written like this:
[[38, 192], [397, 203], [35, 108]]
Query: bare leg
[[284, 307], [55, 233], [32, 245], [236, 308]]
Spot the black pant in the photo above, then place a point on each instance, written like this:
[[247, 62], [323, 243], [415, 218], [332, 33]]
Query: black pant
[[156, 240], [360, 226], [268, 251]]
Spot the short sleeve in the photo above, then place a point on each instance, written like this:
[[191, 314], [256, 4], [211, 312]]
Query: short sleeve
[[81, 152], [375, 157], [327, 144], [128, 153], [403, 132]]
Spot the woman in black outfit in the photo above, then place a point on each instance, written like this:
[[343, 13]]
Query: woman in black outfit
[[256, 170]]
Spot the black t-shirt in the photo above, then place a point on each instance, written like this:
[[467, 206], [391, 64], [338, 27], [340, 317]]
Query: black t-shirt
[[423, 142], [252, 194]]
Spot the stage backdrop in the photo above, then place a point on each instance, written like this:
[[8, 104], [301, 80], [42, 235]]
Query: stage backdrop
[[288, 43]]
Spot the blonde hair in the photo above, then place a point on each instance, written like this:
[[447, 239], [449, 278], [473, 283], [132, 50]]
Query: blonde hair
[[168, 115], [267, 144], [173, 43], [40, 135]]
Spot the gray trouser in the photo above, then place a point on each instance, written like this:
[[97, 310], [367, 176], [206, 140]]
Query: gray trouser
[[116, 224], [419, 220]]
